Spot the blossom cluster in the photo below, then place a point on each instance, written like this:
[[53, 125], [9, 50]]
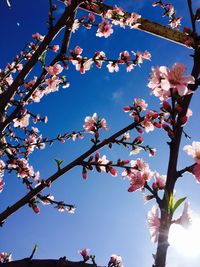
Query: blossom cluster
[[138, 172], [169, 11], [150, 121], [165, 82], [117, 16], [84, 64]]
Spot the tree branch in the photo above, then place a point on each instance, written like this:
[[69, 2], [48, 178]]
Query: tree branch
[[47, 263], [25, 200], [150, 27], [6, 97]]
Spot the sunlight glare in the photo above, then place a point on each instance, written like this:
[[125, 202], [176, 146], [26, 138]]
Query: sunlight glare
[[186, 241]]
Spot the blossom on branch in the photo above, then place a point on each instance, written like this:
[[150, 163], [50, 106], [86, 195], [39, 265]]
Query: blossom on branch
[[138, 174], [104, 29], [85, 253], [22, 122], [153, 222], [55, 69], [5, 257], [92, 124], [115, 261], [193, 150]]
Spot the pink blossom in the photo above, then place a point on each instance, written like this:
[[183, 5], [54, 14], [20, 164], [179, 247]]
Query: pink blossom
[[2, 167], [9, 79], [77, 51], [193, 150], [55, 69], [162, 79], [90, 122], [175, 23], [135, 151], [185, 219], [113, 67], [1, 184], [38, 36], [139, 102], [115, 260], [138, 175], [91, 17], [85, 253], [136, 180], [60, 207], [82, 65], [55, 48], [52, 84], [99, 58], [159, 83], [22, 167], [132, 21], [104, 29], [178, 81], [30, 84], [70, 210], [160, 181], [5, 257], [147, 124], [37, 95], [22, 122], [153, 223], [103, 160], [117, 16], [141, 56], [93, 123], [170, 10]]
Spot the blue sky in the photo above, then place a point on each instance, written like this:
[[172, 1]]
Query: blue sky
[[108, 219]]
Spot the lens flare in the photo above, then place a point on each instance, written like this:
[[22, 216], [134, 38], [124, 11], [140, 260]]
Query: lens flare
[[186, 241]]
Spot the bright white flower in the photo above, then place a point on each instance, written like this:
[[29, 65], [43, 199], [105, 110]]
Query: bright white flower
[[22, 122]]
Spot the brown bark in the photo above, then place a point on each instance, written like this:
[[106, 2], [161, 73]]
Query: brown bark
[[151, 27], [62, 262]]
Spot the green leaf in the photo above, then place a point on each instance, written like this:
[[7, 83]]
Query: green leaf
[[58, 162], [35, 249], [43, 58], [178, 203], [171, 204]]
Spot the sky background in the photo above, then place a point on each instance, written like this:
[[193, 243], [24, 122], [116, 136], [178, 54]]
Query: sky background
[[108, 219]]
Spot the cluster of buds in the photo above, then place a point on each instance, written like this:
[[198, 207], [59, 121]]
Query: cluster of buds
[[151, 120], [101, 164], [84, 64]]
